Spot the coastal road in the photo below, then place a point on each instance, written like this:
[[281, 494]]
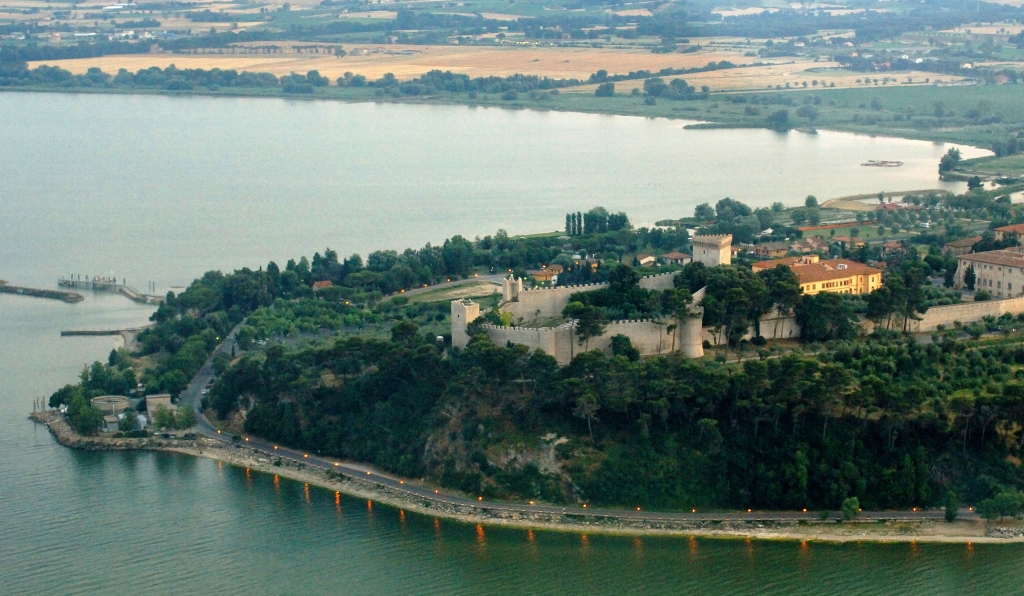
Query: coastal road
[[193, 393]]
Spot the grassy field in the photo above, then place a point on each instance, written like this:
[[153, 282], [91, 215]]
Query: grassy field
[[1011, 165], [470, 289]]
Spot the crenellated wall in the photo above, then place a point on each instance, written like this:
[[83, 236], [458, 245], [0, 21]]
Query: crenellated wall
[[967, 312], [546, 303]]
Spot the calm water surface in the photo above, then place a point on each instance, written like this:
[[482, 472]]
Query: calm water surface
[[159, 188]]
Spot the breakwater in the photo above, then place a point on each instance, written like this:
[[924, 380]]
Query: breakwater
[[69, 297]]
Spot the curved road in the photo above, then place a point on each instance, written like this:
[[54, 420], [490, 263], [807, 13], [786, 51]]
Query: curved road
[[192, 395]]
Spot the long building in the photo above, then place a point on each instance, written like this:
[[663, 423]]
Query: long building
[[835, 275], [1001, 272]]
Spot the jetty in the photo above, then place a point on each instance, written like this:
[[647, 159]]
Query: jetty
[[69, 297], [101, 283], [872, 163]]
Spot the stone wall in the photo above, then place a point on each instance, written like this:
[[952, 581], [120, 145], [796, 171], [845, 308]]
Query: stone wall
[[546, 303], [967, 312], [649, 337]]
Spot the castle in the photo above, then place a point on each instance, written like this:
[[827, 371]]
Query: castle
[[530, 308]]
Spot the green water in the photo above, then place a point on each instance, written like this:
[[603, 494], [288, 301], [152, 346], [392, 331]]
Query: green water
[[139, 185]]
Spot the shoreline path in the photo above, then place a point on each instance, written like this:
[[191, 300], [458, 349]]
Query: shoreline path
[[193, 393]]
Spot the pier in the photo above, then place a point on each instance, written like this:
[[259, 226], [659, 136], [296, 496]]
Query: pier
[[100, 283], [69, 297]]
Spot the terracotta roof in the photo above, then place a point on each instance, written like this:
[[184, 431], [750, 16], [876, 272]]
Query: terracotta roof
[[319, 285], [1015, 229], [1006, 258], [675, 255], [773, 246], [964, 242], [789, 261], [826, 270]]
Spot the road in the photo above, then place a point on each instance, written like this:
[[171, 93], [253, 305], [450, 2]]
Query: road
[[448, 284], [193, 394]]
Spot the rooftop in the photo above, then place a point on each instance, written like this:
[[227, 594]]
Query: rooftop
[[1014, 228], [964, 242], [1006, 258], [832, 269]]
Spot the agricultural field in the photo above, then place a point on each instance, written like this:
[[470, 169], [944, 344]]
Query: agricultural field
[[410, 61]]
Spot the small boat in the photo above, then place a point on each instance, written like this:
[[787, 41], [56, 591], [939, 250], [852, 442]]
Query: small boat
[[882, 163]]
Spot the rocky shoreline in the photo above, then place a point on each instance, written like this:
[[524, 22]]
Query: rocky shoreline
[[964, 532]]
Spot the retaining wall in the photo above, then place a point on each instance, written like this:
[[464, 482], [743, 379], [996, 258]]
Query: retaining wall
[[545, 303]]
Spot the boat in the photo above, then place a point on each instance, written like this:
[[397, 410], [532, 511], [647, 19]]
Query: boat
[[882, 163]]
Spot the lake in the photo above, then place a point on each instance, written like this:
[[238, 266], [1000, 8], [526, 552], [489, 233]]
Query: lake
[[161, 189]]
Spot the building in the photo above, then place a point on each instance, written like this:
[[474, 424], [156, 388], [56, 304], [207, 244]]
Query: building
[[770, 250], [962, 246], [646, 260], [320, 285], [1001, 272], [891, 246], [110, 424], [1008, 232], [810, 244], [110, 405], [789, 262], [849, 242], [713, 250], [543, 275], [155, 401], [835, 275], [675, 258]]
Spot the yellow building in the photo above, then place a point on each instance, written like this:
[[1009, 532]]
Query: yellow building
[[835, 275]]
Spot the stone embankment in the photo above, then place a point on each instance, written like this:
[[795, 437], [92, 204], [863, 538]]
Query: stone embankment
[[68, 437], [570, 520]]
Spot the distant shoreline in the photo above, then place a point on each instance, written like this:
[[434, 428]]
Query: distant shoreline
[[697, 122], [960, 532]]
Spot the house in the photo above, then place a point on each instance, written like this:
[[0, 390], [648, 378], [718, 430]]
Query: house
[[810, 244], [835, 275], [556, 269], [891, 246], [320, 285], [770, 250], [543, 275], [849, 242], [962, 246], [789, 262], [675, 258], [1007, 232], [155, 401], [110, 424], [1001, 272], [646, 260]]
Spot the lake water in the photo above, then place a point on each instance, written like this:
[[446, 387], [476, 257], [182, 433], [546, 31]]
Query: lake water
[[162, 189]]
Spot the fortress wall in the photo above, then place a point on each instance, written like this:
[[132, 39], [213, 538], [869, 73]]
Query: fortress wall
[[968, 312], [544, 303]]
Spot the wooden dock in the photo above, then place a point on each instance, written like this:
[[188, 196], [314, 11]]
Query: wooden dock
[[100, 283]]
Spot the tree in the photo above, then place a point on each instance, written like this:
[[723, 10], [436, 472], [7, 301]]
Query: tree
[[589, 320], [974, 182], [811, 202], [952, 507], [587, 408], [605, 90], [825, 316], [84, 418], [851, 508], [970, 278], [163, 417], [622, 346], [783, 289], [779, 120], [185, 417], [704, 212], [950, 160], [128, 422], [404, 331]]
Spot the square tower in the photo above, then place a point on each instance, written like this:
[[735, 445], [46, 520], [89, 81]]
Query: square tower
[[713, 250], [464, 312]]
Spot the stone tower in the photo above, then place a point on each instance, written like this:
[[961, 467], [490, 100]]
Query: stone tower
[[511, 288], [713, 250], [464, 312]]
